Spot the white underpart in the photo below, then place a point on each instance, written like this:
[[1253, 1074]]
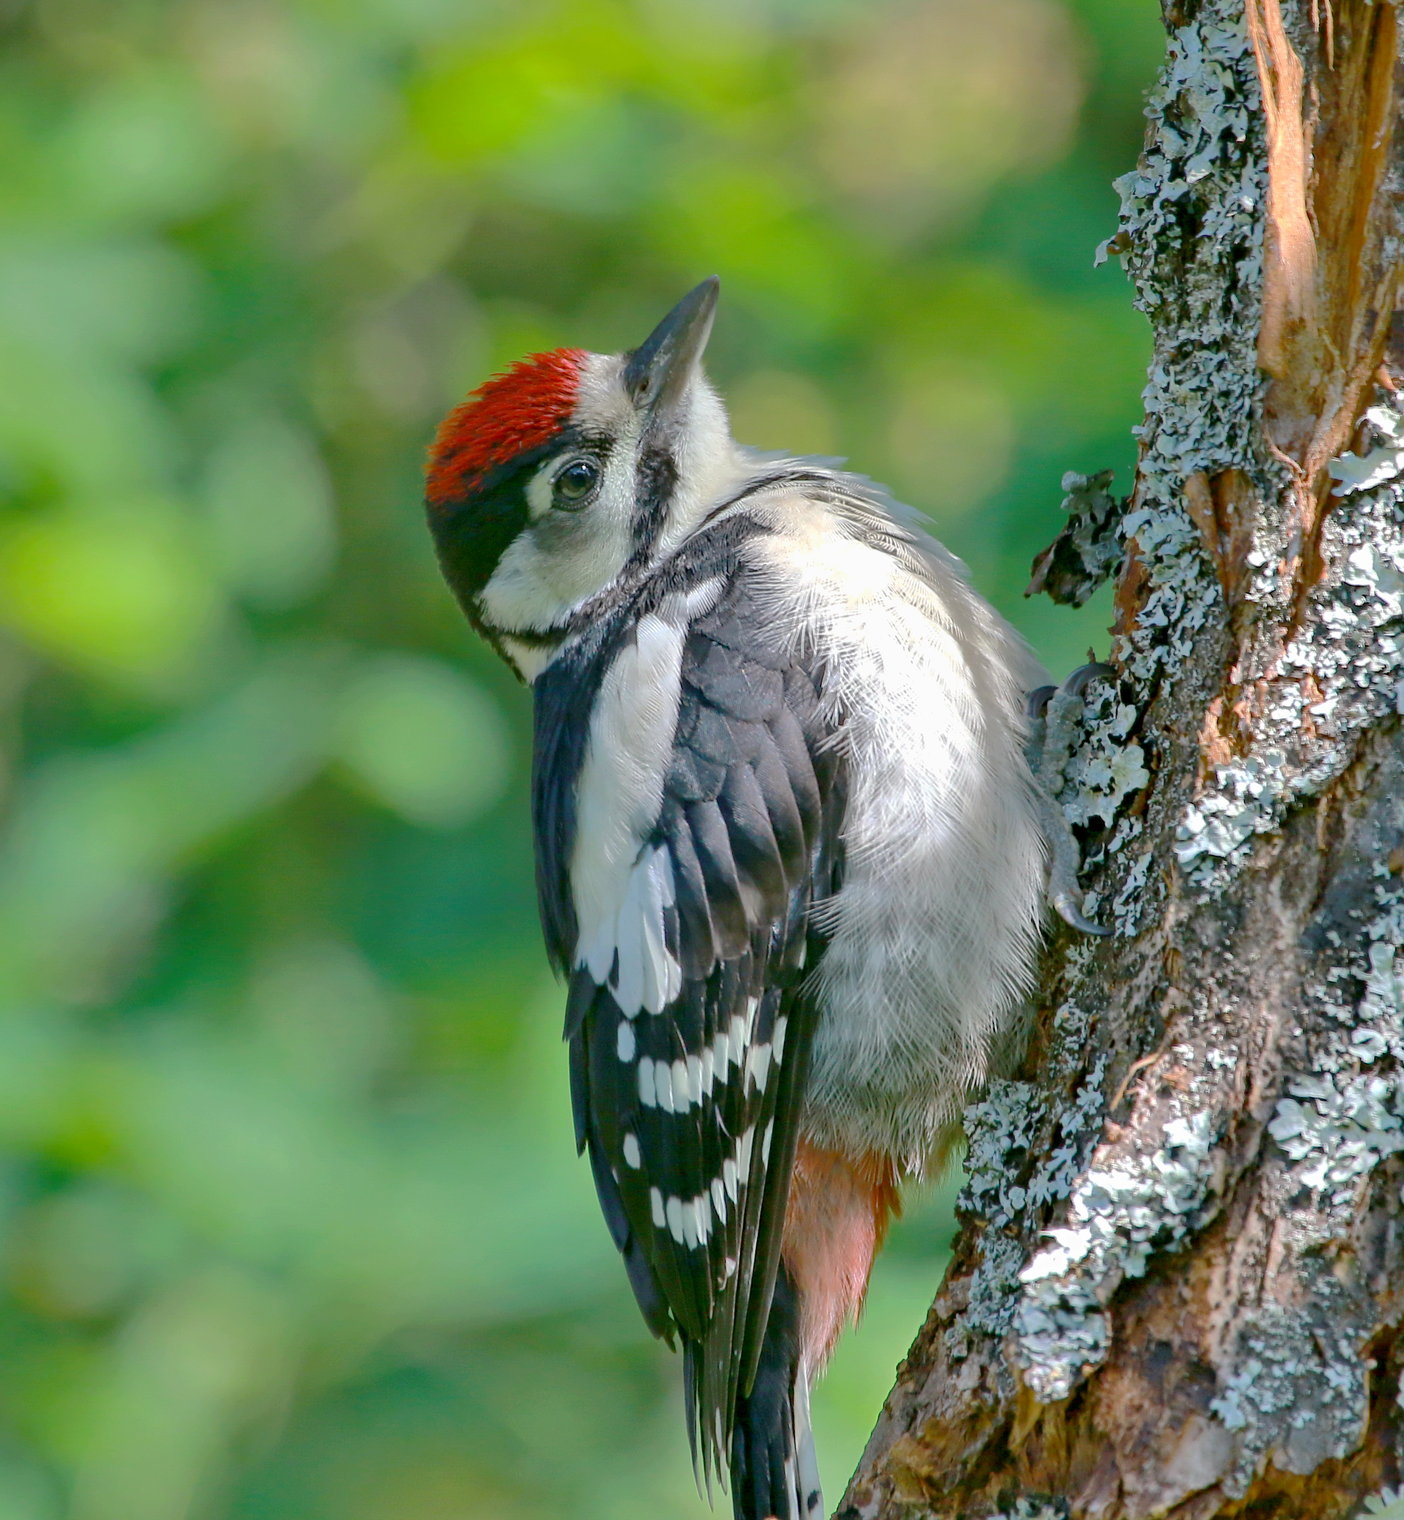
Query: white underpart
[[934, 927], [621, 888]]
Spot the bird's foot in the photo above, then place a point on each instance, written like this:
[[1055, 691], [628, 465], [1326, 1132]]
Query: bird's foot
[[1053, 713]]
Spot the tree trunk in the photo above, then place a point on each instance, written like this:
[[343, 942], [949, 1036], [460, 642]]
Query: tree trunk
[[1179, 1281]]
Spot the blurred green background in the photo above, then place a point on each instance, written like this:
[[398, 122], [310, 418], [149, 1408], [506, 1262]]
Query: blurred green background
[[291, 1226]]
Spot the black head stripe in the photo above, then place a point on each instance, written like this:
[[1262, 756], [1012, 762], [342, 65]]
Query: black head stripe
[[472, 532], [657, 480]]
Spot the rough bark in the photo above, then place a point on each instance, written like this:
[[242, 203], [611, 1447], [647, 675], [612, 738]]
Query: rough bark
[[1179, 1280]]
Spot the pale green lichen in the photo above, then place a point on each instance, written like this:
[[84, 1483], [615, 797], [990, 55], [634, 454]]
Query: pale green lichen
[[1110, 767], [1191, 237], [1001, 1130], [1297, 1394], [1341, 1128], [993, 1293], [1343, 1117], [1292, 1377], [1294, 1388], [1348, 656], [1383, 464], [1005, 1130], [1088, 549], [1388, 1504], [1246, 798], [1118, 1214], [1202, 165], [1034, 1509]]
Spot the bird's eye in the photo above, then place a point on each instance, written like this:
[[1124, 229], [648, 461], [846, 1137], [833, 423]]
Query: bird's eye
[[574, 484]]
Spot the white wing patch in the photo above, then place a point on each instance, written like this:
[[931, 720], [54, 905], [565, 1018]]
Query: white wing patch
[[648, 977], [621, 888]]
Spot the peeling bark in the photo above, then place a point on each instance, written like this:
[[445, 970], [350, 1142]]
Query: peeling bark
[[1179, 1282]]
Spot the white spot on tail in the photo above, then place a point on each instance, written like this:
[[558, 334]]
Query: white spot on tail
[[663, 1082], [758, 1066], [743, 1152], [811, 1492]]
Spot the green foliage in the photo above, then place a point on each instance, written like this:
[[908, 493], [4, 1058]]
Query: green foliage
[[291, 1227]]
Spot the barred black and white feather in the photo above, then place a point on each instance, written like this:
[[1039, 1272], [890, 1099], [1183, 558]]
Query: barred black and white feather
[[679, 890]]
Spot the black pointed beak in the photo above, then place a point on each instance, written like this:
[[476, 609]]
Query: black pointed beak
[[659, 369]]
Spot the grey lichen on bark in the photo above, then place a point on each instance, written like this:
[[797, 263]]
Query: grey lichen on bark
[[1179, 1280]]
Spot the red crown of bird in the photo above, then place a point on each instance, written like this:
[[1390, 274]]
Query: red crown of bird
[[507, 415]]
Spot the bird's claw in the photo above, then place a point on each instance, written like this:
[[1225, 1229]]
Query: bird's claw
[[1052, 734]]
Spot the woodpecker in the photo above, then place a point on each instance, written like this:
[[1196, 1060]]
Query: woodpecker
[[790, 851]]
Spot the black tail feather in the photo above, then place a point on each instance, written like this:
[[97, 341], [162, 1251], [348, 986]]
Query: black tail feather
[[773, 1473]]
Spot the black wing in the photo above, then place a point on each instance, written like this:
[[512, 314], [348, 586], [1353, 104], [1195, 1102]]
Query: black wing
[[690, 1113]]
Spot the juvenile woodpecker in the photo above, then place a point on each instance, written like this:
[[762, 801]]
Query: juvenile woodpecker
[[789, 851]]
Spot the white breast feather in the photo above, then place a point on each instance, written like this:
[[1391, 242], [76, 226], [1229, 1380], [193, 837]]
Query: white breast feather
[[934, 928]]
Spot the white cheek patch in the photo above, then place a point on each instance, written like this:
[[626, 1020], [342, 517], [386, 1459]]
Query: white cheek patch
[[540, 490], [564, 558]]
